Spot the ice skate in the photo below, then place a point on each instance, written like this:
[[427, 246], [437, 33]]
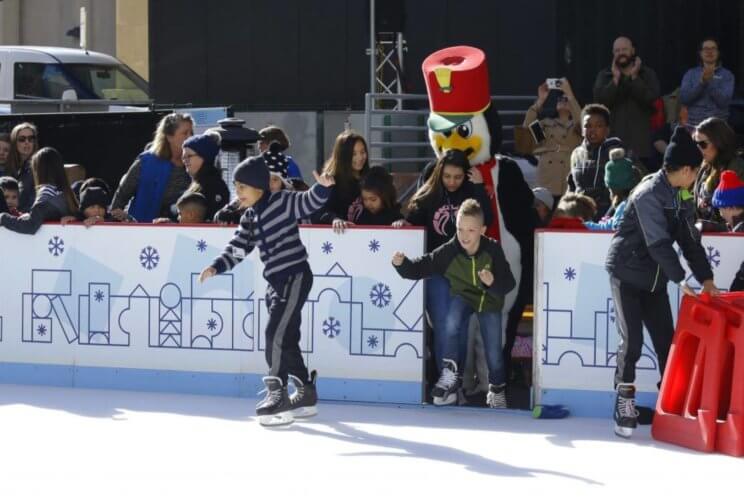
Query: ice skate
[[274, 409], [444, 392], [625, 411], [304, 400]]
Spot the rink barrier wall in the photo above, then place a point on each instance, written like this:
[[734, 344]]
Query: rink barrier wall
[[575, 336], [118, 307]]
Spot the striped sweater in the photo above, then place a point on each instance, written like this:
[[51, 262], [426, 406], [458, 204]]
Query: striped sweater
[[271, 225], [50, 205]]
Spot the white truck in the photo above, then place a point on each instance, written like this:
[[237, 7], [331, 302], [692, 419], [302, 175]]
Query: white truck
[[52, 79]]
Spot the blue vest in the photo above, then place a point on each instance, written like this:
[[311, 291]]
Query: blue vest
[[154, 176]]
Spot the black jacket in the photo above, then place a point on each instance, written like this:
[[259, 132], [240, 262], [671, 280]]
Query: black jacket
[[342, 196], [386, 217], [439, 215], [230, 213], [738, 284], [26, 187], [215, 190], [588, 172], [50, 205], [641, 251]]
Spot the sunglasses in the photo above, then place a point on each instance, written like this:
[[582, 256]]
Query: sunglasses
[[703, 144], [26, 138]]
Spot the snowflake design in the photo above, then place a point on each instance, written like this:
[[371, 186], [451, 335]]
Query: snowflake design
[[56, 246], [327, 247], [149, 258], [41, 330], [373, 342], [201, 245], [374, 246], [569, 274], [331, 327], [212, 324], [99, 295], [380, 295], [714, 255]]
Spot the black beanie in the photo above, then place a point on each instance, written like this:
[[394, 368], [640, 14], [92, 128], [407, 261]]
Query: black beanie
[[93, 195], [681, 150], [253, 172]]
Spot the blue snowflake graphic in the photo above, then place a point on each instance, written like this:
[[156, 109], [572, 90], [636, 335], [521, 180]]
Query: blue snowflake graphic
[[331, 327], [149, 258], [380, 295], [373, 342], [201, 245], [212, 324], [714, 256], [327, 247], [569, 273], [56, 246], [41, 330], [374, 246], [98, 295]]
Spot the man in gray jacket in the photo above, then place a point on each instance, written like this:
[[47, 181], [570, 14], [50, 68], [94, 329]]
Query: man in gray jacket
[[642, 259], [628, 88]]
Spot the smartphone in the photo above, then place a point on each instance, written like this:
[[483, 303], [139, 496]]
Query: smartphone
[[537, 131], [554, 83]]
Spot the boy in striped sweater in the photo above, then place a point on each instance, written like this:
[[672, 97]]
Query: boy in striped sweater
[[270, 224]]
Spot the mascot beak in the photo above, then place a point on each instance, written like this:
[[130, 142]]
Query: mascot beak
[[459, 137]]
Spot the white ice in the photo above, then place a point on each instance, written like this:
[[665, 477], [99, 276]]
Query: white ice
[[57, 441]]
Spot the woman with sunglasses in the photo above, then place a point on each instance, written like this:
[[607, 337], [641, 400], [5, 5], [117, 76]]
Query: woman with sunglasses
[[23, 144], [717, 143], [562, 134]]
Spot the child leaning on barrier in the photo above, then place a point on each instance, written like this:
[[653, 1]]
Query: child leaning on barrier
[[620, 176], [54, 198], [378, 204], [479, 276], [729, 200], [10, 191]]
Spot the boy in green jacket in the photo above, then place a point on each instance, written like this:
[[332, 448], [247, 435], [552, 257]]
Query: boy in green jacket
[[479, 277]]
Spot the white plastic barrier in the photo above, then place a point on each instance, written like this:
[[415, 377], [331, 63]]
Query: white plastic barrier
[[119, 306], [576, 337]]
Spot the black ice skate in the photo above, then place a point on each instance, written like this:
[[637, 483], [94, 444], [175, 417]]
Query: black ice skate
[[444, 392], [625, 410], [274, 409], [496, 397], [304, 399]]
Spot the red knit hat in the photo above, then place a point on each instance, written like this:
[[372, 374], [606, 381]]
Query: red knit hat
[[730, 191]]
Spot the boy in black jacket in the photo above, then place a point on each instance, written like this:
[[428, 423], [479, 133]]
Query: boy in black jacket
[[641, 260], [479, 277]]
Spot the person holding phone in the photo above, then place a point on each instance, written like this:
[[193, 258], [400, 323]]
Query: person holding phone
[[628, 88], [556, 137]]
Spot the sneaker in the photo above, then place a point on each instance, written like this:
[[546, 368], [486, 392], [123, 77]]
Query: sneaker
[[274, 409], [304, 399], [626, 415], [496, 397], [444, 392]]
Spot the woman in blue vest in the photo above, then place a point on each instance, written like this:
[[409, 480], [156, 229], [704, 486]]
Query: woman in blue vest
[[157, 178]]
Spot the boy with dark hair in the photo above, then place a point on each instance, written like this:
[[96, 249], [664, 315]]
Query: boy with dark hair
[[467, 254], [642, 259], [192, 208], [10, 193], [588, 159], [270, 223]]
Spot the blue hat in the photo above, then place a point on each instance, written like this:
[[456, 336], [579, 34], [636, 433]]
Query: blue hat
[[206, 146], [253, 172]]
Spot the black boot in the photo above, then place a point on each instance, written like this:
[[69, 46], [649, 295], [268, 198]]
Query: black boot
[[304, 399], [626, 415]]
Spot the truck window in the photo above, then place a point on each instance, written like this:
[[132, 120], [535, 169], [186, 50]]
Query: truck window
[[41, 81]]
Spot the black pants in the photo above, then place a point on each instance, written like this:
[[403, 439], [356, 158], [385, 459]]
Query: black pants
[[633, 309], [283, 330]]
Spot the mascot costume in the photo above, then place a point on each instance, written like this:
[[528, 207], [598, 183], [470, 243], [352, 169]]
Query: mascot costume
[[462, 118]]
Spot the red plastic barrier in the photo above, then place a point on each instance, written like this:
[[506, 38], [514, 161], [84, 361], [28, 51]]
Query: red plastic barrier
[[730, 434], [688, 404]]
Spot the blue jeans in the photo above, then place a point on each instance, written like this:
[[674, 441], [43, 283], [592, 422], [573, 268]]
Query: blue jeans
[[456, 338], [437, 306]]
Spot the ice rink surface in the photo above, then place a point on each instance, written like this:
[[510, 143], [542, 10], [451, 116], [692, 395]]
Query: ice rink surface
[[58, 441]]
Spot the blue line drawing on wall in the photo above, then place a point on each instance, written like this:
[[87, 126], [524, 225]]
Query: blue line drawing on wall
[[380, 295], [47, 310], [56, 246], [374, 246], [327, 247], [589, 336], [1, 328], [201, 245], [149, 258], [170, 316], [331, 327]]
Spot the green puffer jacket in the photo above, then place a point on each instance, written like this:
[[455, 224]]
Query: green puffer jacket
[[461, 270]]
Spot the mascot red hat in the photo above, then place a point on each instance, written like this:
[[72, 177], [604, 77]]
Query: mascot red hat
[[457, 84]]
